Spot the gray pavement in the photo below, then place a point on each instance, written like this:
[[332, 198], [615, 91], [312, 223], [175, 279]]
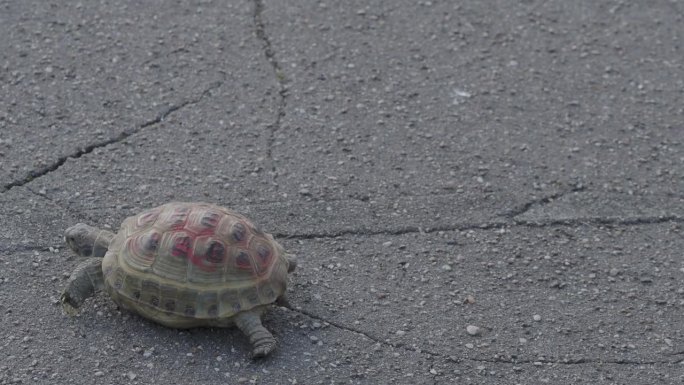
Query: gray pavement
[[514, 166]]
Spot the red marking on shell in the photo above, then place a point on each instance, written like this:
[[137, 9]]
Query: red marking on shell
[[263, 258], [209, 260], [212, 239], [216, 253], [182, 246], [243, 261]]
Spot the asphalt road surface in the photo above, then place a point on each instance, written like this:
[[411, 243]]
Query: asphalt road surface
[[485, 192]]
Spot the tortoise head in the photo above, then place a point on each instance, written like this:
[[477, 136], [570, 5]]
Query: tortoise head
[[85, 241], [291, 262]]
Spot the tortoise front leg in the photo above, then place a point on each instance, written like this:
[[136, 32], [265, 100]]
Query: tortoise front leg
[[261, 339], [84, 281]]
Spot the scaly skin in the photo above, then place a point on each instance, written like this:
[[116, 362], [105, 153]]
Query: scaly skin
[[84, 282], [92, 243], [87, 241], [262, 341]]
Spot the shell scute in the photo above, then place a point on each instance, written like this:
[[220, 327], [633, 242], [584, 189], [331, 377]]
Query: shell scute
[[147, 217], [174, 218]]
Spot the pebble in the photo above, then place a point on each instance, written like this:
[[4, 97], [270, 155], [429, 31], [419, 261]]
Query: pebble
[[99, 373], [473, 330], [131, 376], [313, 338], [387, 244], [469, 345], [400, 332], [536, 317], [469, 300], [446, 267]]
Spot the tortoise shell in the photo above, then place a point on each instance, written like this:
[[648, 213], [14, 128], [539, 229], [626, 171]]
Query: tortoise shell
[[193, 264]]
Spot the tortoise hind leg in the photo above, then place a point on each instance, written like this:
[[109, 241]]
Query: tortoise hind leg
[[83, 282], [262, 340]]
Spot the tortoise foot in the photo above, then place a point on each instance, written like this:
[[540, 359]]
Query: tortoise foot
[[263, 348], [69, 307]]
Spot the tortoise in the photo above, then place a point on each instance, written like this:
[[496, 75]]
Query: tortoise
[[184, 265]]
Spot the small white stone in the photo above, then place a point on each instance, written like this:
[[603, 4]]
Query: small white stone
[[446, 267], [400, 332], [536, 317], [387, 244], [473, 330], [469, 345], [131, 376]]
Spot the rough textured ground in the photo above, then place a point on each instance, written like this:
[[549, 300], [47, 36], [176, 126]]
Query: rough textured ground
[[515, 167]]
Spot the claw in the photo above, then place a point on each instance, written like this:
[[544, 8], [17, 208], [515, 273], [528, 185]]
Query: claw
[[68, 308], [263, 349]]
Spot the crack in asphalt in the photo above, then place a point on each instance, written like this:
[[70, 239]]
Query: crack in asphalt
[[398, 231], [571, 222], [37, 173], [349, 329], [594, 221], [9, 249], [433, 354], [269, 53], [576, 222], [522, 209]]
